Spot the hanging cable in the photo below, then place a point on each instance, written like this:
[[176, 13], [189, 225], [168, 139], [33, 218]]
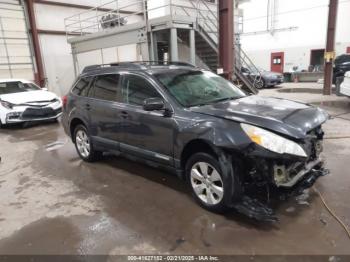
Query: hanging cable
[[333, 213]]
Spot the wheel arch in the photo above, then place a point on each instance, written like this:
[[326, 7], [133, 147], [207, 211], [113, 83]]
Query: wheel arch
[[195, 146], [73, 124]]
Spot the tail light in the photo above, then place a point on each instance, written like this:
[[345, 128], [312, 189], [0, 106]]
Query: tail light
[[64, 101]]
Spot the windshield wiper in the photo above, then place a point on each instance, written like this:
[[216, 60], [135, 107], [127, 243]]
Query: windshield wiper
[[225, 99], [218, 101]]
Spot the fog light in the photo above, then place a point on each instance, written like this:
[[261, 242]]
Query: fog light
[[13, 115]]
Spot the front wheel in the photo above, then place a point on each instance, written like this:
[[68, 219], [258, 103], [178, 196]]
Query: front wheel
[[260, 84], [84, 146], [206, 181], [2, 125]]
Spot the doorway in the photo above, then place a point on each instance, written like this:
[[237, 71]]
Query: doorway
[[317, 60], [277, 62]]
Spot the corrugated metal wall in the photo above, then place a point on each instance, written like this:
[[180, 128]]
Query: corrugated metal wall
[[16, 59]]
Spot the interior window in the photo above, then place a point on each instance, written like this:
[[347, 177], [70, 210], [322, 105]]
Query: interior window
[[81, 86], [136, 89], [105, 87]]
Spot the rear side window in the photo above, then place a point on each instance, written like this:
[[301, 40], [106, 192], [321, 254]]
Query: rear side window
[[81, 87], [135, 89], [105, 87]]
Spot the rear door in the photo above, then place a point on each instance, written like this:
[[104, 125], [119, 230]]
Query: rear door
[[148, 135], [105, 123], [78, 101]]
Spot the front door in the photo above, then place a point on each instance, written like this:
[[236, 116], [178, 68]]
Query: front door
[[146, 134], [277, 62]]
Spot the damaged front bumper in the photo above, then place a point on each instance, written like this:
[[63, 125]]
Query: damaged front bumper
[[307, 181], [254, 208], [283, 177]]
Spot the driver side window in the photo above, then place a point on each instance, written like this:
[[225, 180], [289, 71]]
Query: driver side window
[[135, 89]]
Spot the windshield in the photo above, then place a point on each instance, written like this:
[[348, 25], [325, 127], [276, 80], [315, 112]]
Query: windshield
[[194, 88], [16, 87]]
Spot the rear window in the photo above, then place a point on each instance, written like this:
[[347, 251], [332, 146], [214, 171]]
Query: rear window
[[105, 87], [81, 87]]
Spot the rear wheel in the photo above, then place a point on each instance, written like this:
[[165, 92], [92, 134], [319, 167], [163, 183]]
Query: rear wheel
[[205, 178], [84, 145]]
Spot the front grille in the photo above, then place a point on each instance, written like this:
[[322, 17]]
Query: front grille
[[34, 113]]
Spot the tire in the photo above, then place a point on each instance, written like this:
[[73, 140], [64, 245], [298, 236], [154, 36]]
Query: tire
[[2, 125], [208, 187], [84, 146], [260, 84]]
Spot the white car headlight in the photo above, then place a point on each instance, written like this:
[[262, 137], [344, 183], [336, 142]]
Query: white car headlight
[[6, 104], [272, 141]]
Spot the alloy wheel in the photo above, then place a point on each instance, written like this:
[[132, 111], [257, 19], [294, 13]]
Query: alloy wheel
[[83, 143], [259, 84], [207, 183]]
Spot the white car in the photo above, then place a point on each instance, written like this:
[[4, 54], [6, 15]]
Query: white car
[[345, 86], [23, 101]]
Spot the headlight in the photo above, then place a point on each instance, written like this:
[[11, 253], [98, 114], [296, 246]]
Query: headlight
[[272, 141], [7, 105]]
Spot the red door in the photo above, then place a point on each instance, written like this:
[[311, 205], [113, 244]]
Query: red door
[[277, 62], [348, 50]]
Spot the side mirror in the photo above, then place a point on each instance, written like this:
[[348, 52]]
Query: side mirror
[[44, 89], [153, 104]]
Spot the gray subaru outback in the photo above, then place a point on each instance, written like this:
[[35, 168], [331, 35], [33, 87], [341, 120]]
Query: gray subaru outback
[[227, 145]]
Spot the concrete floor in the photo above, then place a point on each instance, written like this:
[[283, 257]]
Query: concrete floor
[[53, 203]]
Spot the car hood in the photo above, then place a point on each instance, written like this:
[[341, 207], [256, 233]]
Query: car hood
[[283, 116], [28, 97]]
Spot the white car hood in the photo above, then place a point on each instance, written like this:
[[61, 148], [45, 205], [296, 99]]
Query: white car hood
[[28, 97]]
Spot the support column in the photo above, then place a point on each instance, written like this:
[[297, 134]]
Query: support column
[[144, 51], [174, 53], [74, 56], [226, 45], [192, 47], [330, 53], [40, 77], [155, 46]]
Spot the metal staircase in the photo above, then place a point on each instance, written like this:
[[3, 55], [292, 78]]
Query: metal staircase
[[206, 39], [136, 22]]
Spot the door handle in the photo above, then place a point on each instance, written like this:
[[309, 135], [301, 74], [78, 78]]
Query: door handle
[[87, 106], [124, 114]]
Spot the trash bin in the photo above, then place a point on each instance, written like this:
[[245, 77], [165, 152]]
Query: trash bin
[[338, 82], [287, 77]]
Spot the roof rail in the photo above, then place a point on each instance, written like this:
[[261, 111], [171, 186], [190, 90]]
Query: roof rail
[[135, 65], [160, 63]]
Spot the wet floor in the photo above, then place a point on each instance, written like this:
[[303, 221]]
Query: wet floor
[[302, 90], [53, 203]]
